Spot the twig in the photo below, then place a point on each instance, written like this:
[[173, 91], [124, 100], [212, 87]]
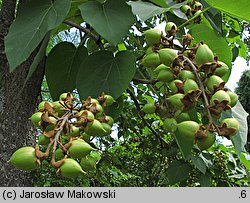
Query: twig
[[86, 31], [144, 81], [140, 113]]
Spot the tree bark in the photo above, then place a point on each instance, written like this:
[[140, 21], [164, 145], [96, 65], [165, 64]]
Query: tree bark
[[16, 107]]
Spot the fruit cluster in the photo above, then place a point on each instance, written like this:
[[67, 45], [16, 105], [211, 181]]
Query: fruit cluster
[[66, 127], [191, 79]]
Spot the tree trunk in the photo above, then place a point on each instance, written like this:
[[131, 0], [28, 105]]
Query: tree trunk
[[15, 107]]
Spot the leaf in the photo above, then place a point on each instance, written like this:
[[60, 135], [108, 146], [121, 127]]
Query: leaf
[[199, 164], [245, 159], [205, 180], [178, 171], [34, 20], [146, 10], [204, 32], [102, 72], [239, 140], [116, 108], [62, 66], [184, 144], [111, 20], [161, 3], [236, 8]]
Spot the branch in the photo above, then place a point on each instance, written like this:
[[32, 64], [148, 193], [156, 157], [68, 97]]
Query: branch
[[144, 81], [86, 31], [140, 113]]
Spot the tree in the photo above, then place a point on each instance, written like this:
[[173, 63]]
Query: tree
[[110, 56]]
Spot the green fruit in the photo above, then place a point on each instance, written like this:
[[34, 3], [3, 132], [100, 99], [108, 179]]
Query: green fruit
[[190, 85], [85, 137], [170, 125], [198, 5], [43, 140], [153, 36], [88, 163], [170, 26], [36, 118], [63, 96], [221, 70], [167, 56], [71, 168], [59, 155], [181, 116], [24, 159], [149, 50], [41, 105], [175, 100], [173, 87], [185, 74], [232, 123], [58, 108], [213, 82], [161, 67], [149, 108], [94, 128], [79, 149], [165, 75], [188, 129], [206, 142], [151, 60], [204, 55], [233, 98], [109, 100], [74, 131], [107, 128], [86, 114], [110, 120], [52, 125], [185, 9], [220, 96]]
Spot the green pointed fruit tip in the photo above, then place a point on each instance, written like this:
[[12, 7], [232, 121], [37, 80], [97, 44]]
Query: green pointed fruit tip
[[107, 128], [149, 50], [167, 56], [109, 100], [59, 155], [95, 128], [232, 123], [190, 85], [204, 55], [43, 140], [71, 168], [151, 60], [181, 116], [149, 108], [170, 26], [79, 149], [206, 142], [185, 74], [74, 131], [165, 75], [36, 118], [170, 125], [24, 159], [173, 85], [153, 36], [220, 96], [175, 100], [213, 82], [233, 98], [160, 68], [222, 69], [188, 129], [88, 163], [85, 137]]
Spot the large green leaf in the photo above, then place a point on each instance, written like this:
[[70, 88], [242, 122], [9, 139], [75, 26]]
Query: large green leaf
[[178, 171], [239, 140], [161, 3], [236, 8], [102, 72], [184, 144], [199, 164], [34, 20], [204, 32], [111, 20], [62, 66]]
